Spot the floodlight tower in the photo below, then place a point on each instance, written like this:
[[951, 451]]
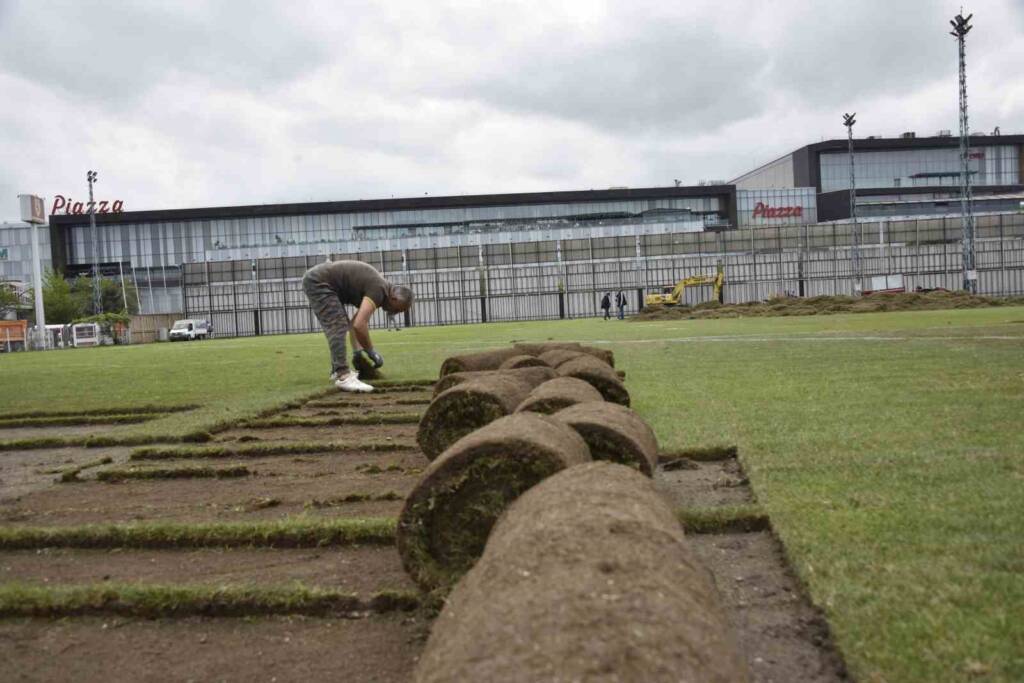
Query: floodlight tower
[[961, 26], [97, 298], [858, 275]]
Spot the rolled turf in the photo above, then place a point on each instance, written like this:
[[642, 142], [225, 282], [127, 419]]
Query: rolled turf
[[559, 393], [604, 355], [467, 406], [531, 375], [523, 361], [483, 360], [587, 577], [448, 516], [613, 432], [598, 374], [556, 357]]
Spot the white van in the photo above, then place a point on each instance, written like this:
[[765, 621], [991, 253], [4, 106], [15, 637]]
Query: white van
[[189, 330]]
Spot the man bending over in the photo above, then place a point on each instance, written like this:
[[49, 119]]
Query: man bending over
[[329, 286]]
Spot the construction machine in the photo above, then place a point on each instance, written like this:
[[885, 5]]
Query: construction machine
[[674, 296]]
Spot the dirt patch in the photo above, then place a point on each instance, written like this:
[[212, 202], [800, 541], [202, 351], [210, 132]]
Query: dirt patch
[[826, 305], [295, 482], [381, 649], [782, 636], [22, 472], [357, 433], [706, 484], [360, 570]]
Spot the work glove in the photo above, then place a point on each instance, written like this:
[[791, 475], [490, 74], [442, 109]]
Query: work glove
[[378, 360]]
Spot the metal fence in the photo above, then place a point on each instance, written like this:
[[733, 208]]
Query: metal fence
[[565, 279]]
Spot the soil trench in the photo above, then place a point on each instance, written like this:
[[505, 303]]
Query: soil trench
[[783, 637]]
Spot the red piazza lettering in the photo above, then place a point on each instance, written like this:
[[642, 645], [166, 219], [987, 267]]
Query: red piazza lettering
[[69, 207], [765, 211]]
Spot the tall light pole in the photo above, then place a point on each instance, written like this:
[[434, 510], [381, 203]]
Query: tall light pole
[[961, 26], [858, 275], [97, 298]]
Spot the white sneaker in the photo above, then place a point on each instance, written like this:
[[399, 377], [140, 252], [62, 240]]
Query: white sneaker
[[352, 383]]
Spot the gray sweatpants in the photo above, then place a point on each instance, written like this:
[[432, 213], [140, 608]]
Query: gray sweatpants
[[331, 313]]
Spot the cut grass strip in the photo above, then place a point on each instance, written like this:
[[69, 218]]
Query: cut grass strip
[[327, 404], [158, 600], [706, 454], [286, 533], [723, 520], [260, 450], [353, 498], [35, 443], [71, 420], [404, 383], [366, 419], [126, 410], [113, 476], [71, 474]]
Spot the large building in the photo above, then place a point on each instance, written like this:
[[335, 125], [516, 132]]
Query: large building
[[765, 211], [16, 254], [904, 176]]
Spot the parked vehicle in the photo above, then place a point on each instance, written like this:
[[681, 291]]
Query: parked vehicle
[[189, 330]]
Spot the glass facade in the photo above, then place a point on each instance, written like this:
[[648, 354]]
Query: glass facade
[[989, 165], [153, 252], [16, 252]]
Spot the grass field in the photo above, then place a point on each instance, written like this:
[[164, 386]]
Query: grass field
[[887, 449]]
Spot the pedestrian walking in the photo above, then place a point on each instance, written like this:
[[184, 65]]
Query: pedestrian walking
[[606, 305], [620, 303]]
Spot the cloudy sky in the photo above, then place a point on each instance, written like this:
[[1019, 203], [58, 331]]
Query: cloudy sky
[[183, 104]]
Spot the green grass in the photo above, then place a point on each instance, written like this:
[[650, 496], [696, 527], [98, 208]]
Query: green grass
[[149, 473], [725, 519], [887, 449], [294, 532], [153, 601]]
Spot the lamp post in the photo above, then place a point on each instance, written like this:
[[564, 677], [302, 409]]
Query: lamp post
[[961, 26], [858, 275], [97, 299]]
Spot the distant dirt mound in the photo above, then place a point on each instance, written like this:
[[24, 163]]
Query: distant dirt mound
[[826, 305]]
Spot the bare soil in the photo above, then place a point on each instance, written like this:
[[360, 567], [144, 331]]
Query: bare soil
[[293, 482], [22, 472], [363, 433], [382, 649], [708, 484], [361, 570]]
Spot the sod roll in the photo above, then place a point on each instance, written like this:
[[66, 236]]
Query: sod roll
[[556, 357], [523, 361], [448, 516], [599, 374], [587, 577], [614, 433], [468, 406], [531, 375], [483, 360], [539, 349], [559, 393]]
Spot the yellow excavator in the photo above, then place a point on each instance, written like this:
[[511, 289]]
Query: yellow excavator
[[674, 296]]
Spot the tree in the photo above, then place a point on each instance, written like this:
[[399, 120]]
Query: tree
[[111, 298], [59, 302], [9, 299]]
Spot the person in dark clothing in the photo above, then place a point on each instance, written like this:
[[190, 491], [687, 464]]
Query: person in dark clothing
[[606, 304], [329, 287], [620, 303]]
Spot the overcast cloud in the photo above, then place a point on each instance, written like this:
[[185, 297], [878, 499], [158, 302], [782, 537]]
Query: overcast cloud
[[187, 104]]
